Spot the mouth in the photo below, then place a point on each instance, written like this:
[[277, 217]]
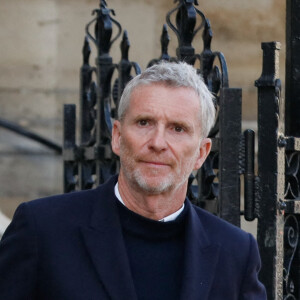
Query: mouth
[[156, 163]]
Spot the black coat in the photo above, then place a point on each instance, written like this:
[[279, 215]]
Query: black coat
[[71, 247]]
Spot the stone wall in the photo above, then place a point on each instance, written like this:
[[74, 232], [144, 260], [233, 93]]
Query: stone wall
[[40, 57]]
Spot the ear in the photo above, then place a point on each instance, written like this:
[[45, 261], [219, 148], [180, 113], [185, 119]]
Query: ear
[[116, 137], [204, 150]]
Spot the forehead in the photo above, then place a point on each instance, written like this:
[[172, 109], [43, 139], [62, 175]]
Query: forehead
[[162, 98]]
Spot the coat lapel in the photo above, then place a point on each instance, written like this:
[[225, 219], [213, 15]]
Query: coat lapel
[[201, 258], [104, 242]]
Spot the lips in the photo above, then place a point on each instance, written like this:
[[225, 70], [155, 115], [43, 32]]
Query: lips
[[156, 163]]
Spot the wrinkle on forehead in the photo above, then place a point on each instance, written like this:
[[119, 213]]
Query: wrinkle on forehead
[[140, 90]]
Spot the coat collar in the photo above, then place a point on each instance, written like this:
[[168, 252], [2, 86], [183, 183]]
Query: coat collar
[[105, 245]]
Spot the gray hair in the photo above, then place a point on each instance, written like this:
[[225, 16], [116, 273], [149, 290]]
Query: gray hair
[[173, 75]]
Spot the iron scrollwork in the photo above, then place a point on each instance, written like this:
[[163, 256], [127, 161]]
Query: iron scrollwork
[[291, 267], [292, 182], [92, 161], [291, 287]]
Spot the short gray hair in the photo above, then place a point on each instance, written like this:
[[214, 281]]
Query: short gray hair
[[173, 74]]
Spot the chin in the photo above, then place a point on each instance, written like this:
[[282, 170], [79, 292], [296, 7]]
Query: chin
[[154, 185]]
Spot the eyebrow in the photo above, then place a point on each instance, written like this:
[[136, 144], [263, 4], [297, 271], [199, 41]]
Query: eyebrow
[[185, 125], [147, 116], [143, 116]]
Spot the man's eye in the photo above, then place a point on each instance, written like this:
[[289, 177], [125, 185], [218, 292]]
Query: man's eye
[[178, 129], [143, 122]]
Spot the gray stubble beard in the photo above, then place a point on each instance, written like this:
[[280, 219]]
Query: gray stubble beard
[[136, 178]]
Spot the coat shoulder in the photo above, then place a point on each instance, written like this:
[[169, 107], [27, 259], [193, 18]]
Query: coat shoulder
[[222, 232], [76, 207]]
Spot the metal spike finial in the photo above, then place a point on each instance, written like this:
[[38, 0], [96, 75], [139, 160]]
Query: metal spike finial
[[184, 28], [164, 40], [103, 29], [86, 51], [103, 4], [125, 44]]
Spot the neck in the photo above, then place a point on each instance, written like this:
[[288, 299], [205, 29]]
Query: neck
[[151, 206]]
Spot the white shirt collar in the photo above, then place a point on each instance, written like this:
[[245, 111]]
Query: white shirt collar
[[168, 218]]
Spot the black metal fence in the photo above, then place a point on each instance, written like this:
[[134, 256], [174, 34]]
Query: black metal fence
[[91, 161], [271, 195]]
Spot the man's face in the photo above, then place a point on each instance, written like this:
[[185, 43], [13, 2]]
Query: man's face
[[159, 139]]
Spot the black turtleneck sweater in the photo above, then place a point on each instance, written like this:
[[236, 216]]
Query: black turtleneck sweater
[[156, 252]]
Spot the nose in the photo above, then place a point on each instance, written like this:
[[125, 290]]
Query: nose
[[158, 140]]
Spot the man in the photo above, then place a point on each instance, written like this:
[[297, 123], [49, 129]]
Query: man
[[136, 236]]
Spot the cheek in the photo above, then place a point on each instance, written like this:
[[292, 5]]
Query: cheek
[[190, 157], [127, 147], [188, 150], [134, 142], [126, 142]]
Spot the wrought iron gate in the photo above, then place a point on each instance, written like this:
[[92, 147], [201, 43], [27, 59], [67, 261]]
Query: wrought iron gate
[[270, 196]]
